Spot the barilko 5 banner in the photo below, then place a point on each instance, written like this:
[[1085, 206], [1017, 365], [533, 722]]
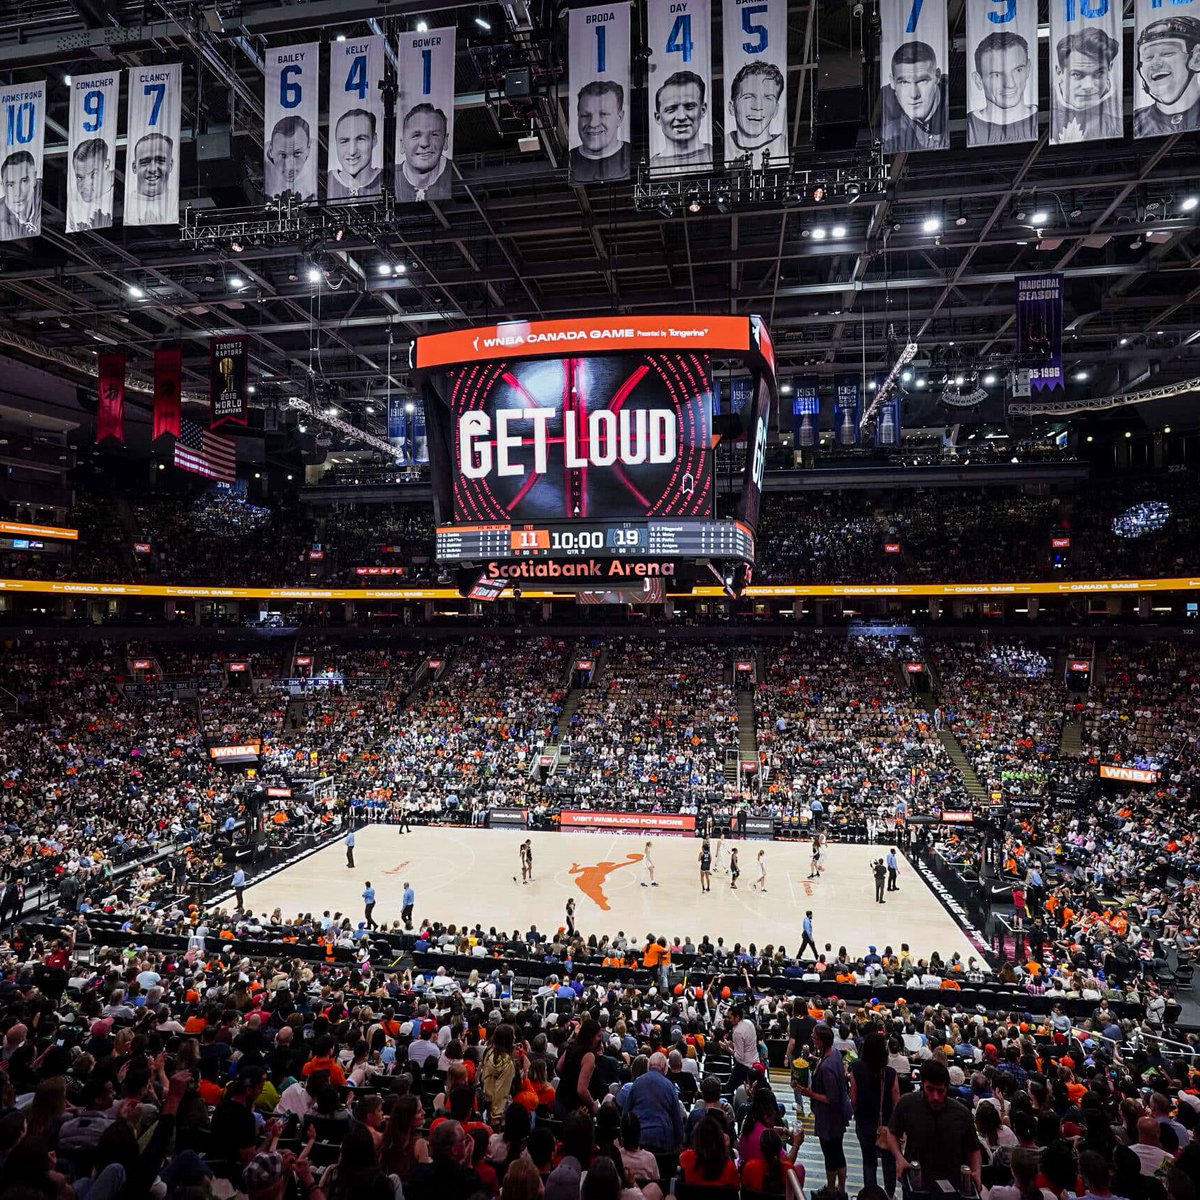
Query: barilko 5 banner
[[425, 115], [806, 411], [754, 66], [679, 104], [913, 60], [599, 104], [846, 410], [91, 151], [152, 138], [1039, 315], [1002, 71], [227, 380], [1086, 75], [292, 82], [23, 128], [355, 119], [1166, 58]]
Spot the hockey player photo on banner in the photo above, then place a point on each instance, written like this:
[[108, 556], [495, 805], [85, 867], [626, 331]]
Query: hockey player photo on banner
[[152, 135], [1002, 71], [355, 119], [1166, 59], [599, 101], [1085, 71], [23, 128], [679, 33], [292, 79], [92, 150], [754, 41], [425, 116], [914, 59]]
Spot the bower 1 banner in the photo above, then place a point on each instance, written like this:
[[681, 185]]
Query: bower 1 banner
[[1085, 71], [1166, 57], [1002, 71], [292, 79], [806, 411], [92, 150], [754, 41], [679, 33], [599, 100], [914, 58], [355, 119], [846, 410], [425, 116], [152, 136], [23, 127], [227, 380], [1039, 328]]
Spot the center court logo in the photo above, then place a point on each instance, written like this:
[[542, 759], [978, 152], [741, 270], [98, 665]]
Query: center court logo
[[590, 880]]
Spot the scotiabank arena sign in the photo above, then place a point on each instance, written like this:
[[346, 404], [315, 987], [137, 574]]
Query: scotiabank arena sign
[[585, 819]]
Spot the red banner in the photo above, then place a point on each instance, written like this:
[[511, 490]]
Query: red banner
[[588, 819], [110, 412], [168, 372]]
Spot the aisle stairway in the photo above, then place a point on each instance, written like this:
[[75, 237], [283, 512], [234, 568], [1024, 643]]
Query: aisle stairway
[[958, 756], [747, 731], [1070, 742]]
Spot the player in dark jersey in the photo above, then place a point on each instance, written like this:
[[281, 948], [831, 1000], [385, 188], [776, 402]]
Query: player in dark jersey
[[705, 867]]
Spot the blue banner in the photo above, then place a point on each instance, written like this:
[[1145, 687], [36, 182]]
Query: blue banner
[[420, 442], [806, 411], [887, 422], [1039, 329], [397, 426], [740, 391], [847, 409]]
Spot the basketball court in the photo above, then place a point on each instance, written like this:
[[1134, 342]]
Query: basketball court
[[463, 876]]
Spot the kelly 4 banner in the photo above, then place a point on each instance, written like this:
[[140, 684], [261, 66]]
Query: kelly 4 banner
[[425, 115], [152, 160], [22, 126], [679, 33], [913, 63], [292, 79], [355, 119], [754, 44], [599, 93]]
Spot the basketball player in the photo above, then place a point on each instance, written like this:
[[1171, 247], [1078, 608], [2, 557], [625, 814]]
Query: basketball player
[[527, 861], [760, 884], [648, 868], [734, 869], [814, 865], [705, 868], [570, 916], [717, 866]]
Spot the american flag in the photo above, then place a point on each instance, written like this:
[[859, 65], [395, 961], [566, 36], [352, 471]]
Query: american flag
[[205, 453]]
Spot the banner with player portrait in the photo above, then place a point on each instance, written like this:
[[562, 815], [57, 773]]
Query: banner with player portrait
[[680, 98], [23, 129], [152, 137], [806, 411], [1002, 71], [92, 150], [1086, 71], [425, 116], [355, 119], [847, 408], [913, 63], [754, 41], [292, 82], [599, 101], [1166, 62]]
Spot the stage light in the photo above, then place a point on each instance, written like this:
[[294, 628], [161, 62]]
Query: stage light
[[819, 233], [484, 24], [959, 381], [1129, 433], [236, 282], [872, 386], [1039, 218], [989, 380], [853, 191], [400, 269], [422, 26], [1090, 438], [252, 389], [1080, 376], [931, 224], [693, 200], [905, 376], [385, 268], [136, 292], [410, 407], [920, 381], [723, 202], [786, 389], [341, 37], [1123, 342], [314, 276], [839, 231], [1189, 202]]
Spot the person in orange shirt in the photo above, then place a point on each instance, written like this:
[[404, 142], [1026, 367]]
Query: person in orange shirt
[[323, 1060]]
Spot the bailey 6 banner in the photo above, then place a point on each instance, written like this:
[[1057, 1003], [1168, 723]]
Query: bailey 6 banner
[[355, 119], [599, 102], [292, 79], [168, 371], [1039, 328], [91, 151], [227, 380], [754, 41], [806, 411], [152, 137], [23, 122], [1002, 71], [846, 410], [1085, 71], [913, 61], [679, 33], [425, 115], [1166, 57]]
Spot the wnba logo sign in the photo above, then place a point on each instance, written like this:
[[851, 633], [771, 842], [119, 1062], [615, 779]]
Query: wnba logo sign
[[590, 880]]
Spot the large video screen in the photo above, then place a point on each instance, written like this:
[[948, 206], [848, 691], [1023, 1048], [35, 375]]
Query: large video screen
[[613, 436]]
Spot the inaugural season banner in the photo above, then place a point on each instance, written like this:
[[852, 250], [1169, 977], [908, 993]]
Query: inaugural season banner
[[425, 115], [1039, 328], [92, 150], [292, 79], [599, 93], [152, 137], [1085, 71], [1002, 71], [110, 389], [846, 410], [22, 127], [913, 61], [168, 372], [355, 119], [806, 411], [1166, 57], [754, 41], [679, 33], [227, 380]]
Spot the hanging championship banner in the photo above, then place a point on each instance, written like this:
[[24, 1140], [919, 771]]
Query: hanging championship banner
[[599, 93], [1085, 71], [806, 411], [168, 372], [92, 150], [397, 426], [846, 409], [680, 85], [291, 77], [754, 41], [1039, 329], [110, 409], [1002, 71], [914, 59], [227, 362], [888, 431], [23, 124], [1166, 57], [418, 437], [355, 119], [152, 136], [425, 115]]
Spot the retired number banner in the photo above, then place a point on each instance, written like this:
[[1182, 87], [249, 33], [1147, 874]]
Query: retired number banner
[[1002, 71], [92, 150], [680, 85], [1085, 71], [1166, 57], [292, 79], [152, 137], [914, 58], [425, 116], [599, 93], [23, 125], [754, 40], [355, 119]]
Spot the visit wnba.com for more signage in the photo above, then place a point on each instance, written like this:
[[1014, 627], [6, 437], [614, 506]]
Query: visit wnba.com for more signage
[[665, 822]]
